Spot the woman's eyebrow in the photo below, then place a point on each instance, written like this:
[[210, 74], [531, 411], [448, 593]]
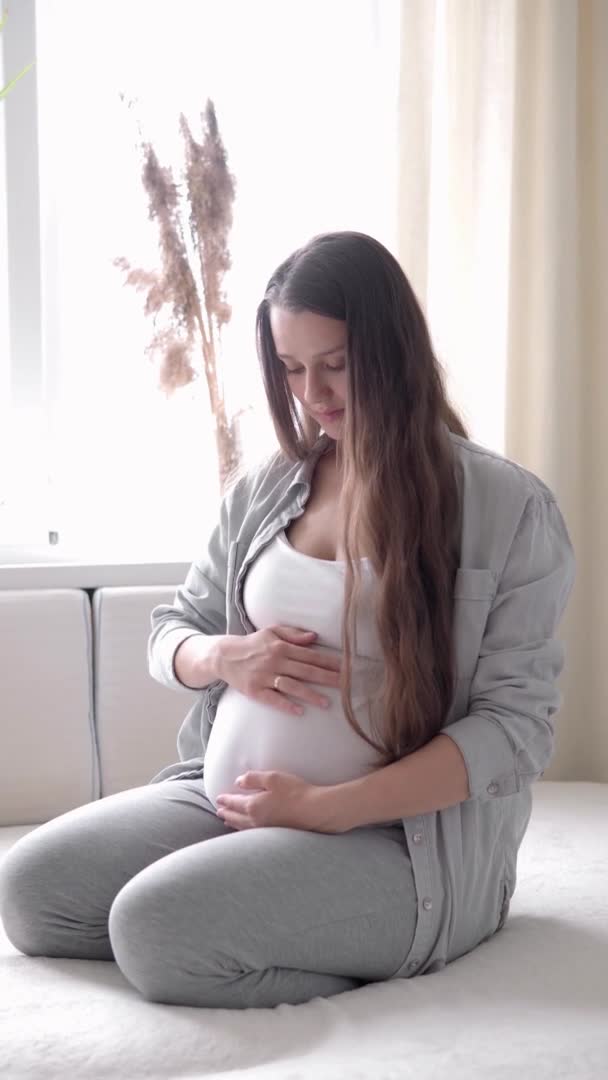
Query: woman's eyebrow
[[327, 352]]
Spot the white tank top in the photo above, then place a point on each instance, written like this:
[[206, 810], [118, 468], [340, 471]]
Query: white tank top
[[285, 586]]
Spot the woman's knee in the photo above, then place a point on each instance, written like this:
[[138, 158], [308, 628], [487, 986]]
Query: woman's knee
[[136, 934], [146, 928], [24, 877], [49, 897]]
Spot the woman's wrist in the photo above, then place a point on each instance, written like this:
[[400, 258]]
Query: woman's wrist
[[222, 653], [197, 662]]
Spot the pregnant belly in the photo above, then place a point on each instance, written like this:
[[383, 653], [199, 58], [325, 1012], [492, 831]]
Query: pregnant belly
[[320, 745]]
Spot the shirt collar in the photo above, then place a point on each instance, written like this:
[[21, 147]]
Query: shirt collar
[[305, 468]]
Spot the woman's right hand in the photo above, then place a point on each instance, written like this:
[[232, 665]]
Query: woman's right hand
[[251, 662]]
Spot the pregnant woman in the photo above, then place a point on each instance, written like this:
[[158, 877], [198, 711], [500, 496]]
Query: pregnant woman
[[370, 642]]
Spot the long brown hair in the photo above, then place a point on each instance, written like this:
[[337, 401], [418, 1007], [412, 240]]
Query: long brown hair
[[397, 465]]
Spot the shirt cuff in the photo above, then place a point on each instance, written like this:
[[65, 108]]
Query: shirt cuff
[[162, 666], [488, 756]]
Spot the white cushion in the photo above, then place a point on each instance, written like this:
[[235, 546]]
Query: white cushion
[[137, 719], [47, 750]]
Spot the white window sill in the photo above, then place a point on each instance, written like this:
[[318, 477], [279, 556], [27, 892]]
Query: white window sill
[[66, 573]]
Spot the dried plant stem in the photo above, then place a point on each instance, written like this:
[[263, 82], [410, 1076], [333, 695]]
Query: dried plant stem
[[197, 310]]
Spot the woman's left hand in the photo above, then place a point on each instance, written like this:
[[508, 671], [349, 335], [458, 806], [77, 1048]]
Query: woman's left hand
[[280, 798]]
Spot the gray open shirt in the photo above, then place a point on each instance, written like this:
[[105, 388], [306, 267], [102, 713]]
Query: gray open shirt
[[516, 572]]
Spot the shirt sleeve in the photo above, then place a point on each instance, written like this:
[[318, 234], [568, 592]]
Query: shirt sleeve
[[199, 606], [507, 737]]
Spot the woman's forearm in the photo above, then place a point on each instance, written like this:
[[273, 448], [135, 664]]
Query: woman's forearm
[[196, 662], [431, 778]]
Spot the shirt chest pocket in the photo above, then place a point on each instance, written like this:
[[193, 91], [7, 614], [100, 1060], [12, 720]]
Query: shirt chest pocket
[[474, 591]]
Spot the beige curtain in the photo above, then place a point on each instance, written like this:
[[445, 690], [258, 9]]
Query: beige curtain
[[503, 231]]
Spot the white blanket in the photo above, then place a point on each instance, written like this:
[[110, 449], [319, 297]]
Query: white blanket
[[531, 1003]]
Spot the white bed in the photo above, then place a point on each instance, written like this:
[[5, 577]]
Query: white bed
[[530, 1003]]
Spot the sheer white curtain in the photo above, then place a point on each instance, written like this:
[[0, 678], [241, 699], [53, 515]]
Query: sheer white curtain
[[455, 151], [503, 229], [305, 96]]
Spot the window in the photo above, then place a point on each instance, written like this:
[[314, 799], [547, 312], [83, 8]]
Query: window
[[306, 101]]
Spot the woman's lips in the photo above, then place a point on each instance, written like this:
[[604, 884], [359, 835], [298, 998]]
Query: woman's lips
[[330, 415]]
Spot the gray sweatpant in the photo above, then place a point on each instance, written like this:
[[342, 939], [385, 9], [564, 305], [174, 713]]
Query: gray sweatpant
[[195, 912]]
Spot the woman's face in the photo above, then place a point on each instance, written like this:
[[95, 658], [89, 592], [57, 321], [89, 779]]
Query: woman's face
[[313, 349]]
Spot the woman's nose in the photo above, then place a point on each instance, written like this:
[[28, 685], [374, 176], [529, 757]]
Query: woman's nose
[[314, 390]]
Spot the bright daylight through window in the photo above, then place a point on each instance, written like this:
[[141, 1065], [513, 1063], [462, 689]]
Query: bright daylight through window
[[93, 450]]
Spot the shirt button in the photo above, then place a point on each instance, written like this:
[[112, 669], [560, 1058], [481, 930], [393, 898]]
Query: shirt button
[[427, 903], [492, 788], [417, 837]]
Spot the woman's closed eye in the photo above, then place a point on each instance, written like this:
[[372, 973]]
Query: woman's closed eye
[[330, 367]]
